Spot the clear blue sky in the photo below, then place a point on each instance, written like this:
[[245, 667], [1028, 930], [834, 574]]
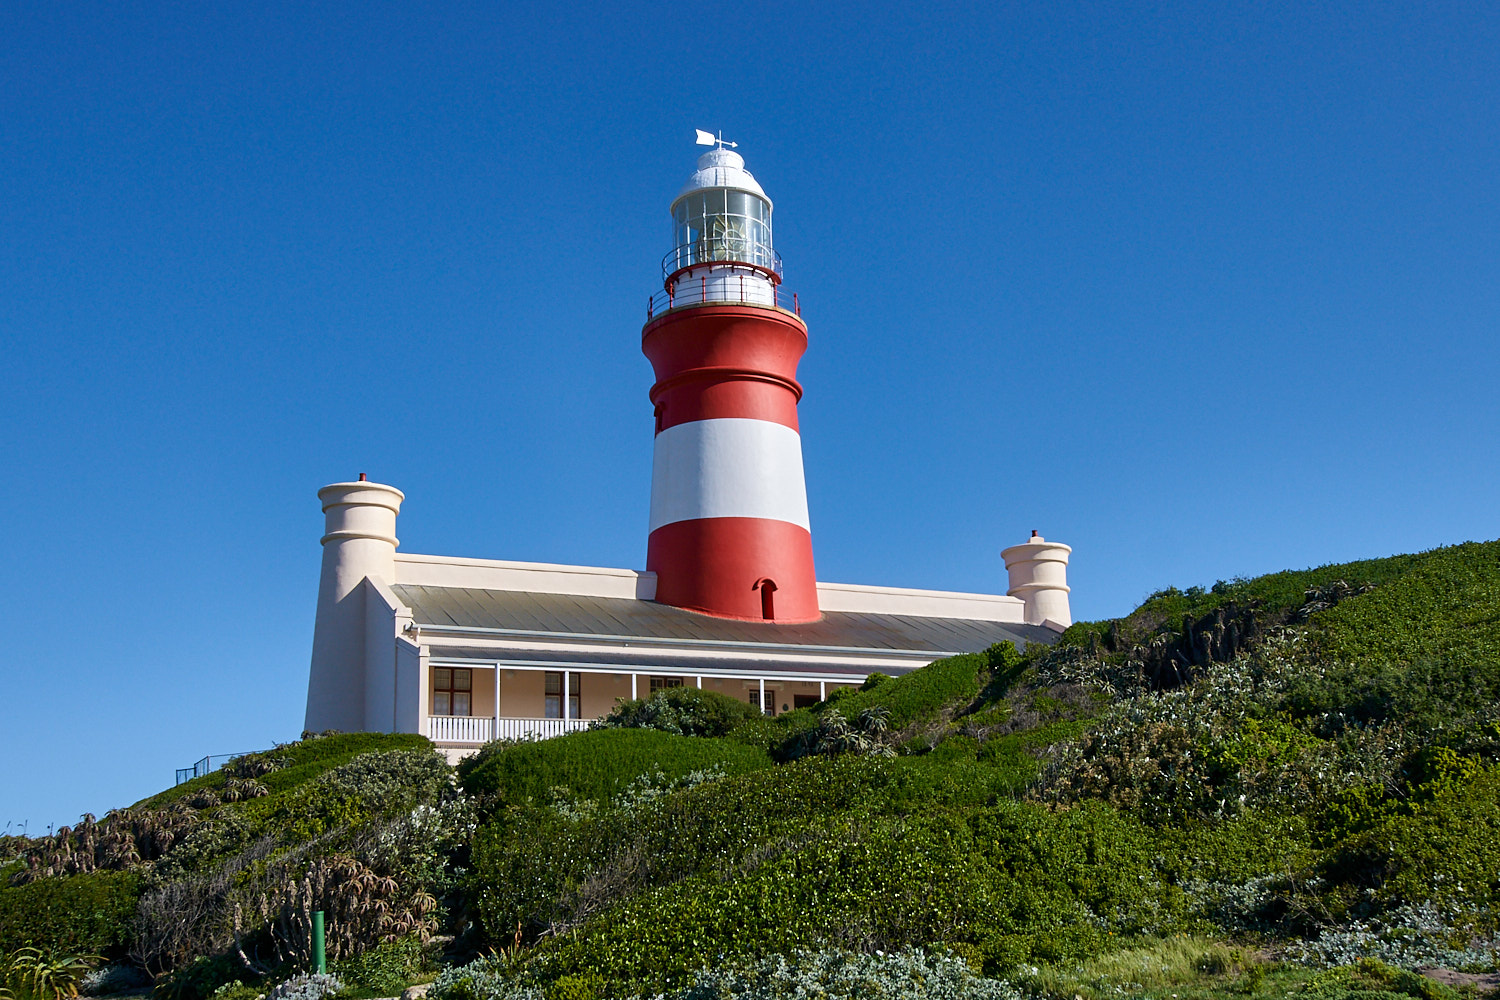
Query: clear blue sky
[[1202, 290]]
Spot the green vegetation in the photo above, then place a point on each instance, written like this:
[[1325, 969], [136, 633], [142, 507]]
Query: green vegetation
[[32, 974], [289, 766], [76, 914], [1284, 786], [683, 711], [596, 765]]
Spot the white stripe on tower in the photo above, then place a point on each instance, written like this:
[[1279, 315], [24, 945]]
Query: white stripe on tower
[[728, 467]]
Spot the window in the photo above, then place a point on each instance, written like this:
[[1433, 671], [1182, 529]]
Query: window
[[554, 697], [804, 700], [769, 708], [662, 683], [452, 689]]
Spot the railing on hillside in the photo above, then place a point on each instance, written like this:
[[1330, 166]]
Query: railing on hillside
[[207, 765], [482, 728]]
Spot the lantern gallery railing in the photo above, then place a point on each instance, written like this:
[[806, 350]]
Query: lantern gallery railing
[[483, 728], [729, 288], [728, 249]]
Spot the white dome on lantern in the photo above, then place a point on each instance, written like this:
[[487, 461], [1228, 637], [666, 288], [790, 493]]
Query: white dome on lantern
[[721, 168]]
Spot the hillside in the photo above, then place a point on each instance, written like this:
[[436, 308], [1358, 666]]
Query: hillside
[[1284, 784]]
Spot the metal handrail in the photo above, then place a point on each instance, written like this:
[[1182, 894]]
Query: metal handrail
[[682, 296], [719, 250], [207, 765]]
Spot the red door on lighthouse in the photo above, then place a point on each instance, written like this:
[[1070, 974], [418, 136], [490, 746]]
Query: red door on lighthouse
[[730, 534]]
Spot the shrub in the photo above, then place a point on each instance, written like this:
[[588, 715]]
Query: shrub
[[294, 763], [1371, 979], [1441, 606], [312, 986], [1424, 694], [125, 838], [684, 711], [598, 764], [384, 970], [835, 735], [1441, 845], [1408, 937], [846, 851], [367, 787], [388, 828], [923, 694], [484, 979], [79, 914], [839, 975]]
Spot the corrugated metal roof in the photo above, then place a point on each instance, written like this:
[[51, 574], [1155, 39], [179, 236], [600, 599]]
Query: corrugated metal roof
[[649, 663], [567, 614]]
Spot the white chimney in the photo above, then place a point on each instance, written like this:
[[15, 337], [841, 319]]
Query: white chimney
[[1039, 576], [359, 542]]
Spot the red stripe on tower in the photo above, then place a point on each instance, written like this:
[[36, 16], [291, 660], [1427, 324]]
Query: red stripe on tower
[[729, 528]]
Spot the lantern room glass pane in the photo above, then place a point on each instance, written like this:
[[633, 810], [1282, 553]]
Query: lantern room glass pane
[[722, 225]]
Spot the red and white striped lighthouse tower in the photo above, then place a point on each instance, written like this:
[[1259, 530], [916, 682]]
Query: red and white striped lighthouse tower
[[729, 526]]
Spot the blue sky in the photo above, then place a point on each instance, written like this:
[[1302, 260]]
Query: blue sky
[[1202, 290]]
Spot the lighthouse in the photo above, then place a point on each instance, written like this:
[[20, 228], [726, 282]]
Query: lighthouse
[[469, 649], [729, 529]]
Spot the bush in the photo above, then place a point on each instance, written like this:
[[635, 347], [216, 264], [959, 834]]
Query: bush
[[484, 979], [1440, 845], [684, 711], [294, 763], [1441, 607], [1408, 937], [838, 975], [597, 765], [1372, 979], [313, 986], [923, 694], [370, 786], [382, 971], [78, 915], [857, 852]]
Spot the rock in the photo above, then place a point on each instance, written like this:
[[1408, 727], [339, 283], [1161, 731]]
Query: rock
[[416, 992]]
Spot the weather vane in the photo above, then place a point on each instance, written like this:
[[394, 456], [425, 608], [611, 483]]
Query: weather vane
[[708, 139]]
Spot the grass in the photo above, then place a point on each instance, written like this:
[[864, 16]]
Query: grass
[[1151, 967]]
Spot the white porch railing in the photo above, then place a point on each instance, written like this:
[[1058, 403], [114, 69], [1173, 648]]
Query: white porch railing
[[482, 728]]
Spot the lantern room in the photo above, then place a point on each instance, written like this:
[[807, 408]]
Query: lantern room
[[721, 236]]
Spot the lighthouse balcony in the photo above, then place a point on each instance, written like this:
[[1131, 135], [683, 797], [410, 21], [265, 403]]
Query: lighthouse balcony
[[720, 284]]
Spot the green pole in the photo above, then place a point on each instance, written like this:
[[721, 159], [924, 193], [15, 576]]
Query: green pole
[[320, 960]]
